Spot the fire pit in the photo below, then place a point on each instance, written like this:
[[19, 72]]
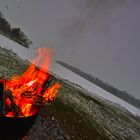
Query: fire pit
[[22, 96], [17, 124], [11, 127]]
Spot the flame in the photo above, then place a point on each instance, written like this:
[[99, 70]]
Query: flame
[[28, 87]]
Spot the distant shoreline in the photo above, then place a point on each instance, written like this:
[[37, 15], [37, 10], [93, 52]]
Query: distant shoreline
[[119, 93]]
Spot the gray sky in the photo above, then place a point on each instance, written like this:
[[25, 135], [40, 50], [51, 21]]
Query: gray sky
[[101, 37]]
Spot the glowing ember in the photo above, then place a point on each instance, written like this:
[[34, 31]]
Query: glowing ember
[[28, 89]]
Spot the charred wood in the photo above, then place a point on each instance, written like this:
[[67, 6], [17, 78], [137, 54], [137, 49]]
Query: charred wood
[[15, 108], [2, 100]]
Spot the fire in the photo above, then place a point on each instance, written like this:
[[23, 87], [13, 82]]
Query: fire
[[29, 88]]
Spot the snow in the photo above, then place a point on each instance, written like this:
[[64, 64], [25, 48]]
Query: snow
[[92, 88], [23, 52], [67, 74]]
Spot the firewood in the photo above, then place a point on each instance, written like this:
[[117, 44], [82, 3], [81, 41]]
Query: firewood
[[36, 100], [48, 82], [15, 109], [41, 104], [2, 100]]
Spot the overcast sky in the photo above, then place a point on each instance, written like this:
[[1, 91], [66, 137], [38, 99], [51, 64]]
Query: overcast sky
[[101, 37]]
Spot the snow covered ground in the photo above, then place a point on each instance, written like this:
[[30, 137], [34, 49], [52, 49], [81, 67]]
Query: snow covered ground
[[17, 48], [67, 74]]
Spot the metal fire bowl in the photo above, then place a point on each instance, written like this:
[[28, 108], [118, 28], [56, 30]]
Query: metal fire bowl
[[12, 128], [15, 128]]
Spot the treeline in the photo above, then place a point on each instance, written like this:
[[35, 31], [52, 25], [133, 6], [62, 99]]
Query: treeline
[[13, 33], [119, 93]]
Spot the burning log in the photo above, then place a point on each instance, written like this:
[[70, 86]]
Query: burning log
[[51, 79], [2, 100], [37, 100], [14, 108]]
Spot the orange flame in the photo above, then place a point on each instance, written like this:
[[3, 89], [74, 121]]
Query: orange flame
[[27, 87]]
